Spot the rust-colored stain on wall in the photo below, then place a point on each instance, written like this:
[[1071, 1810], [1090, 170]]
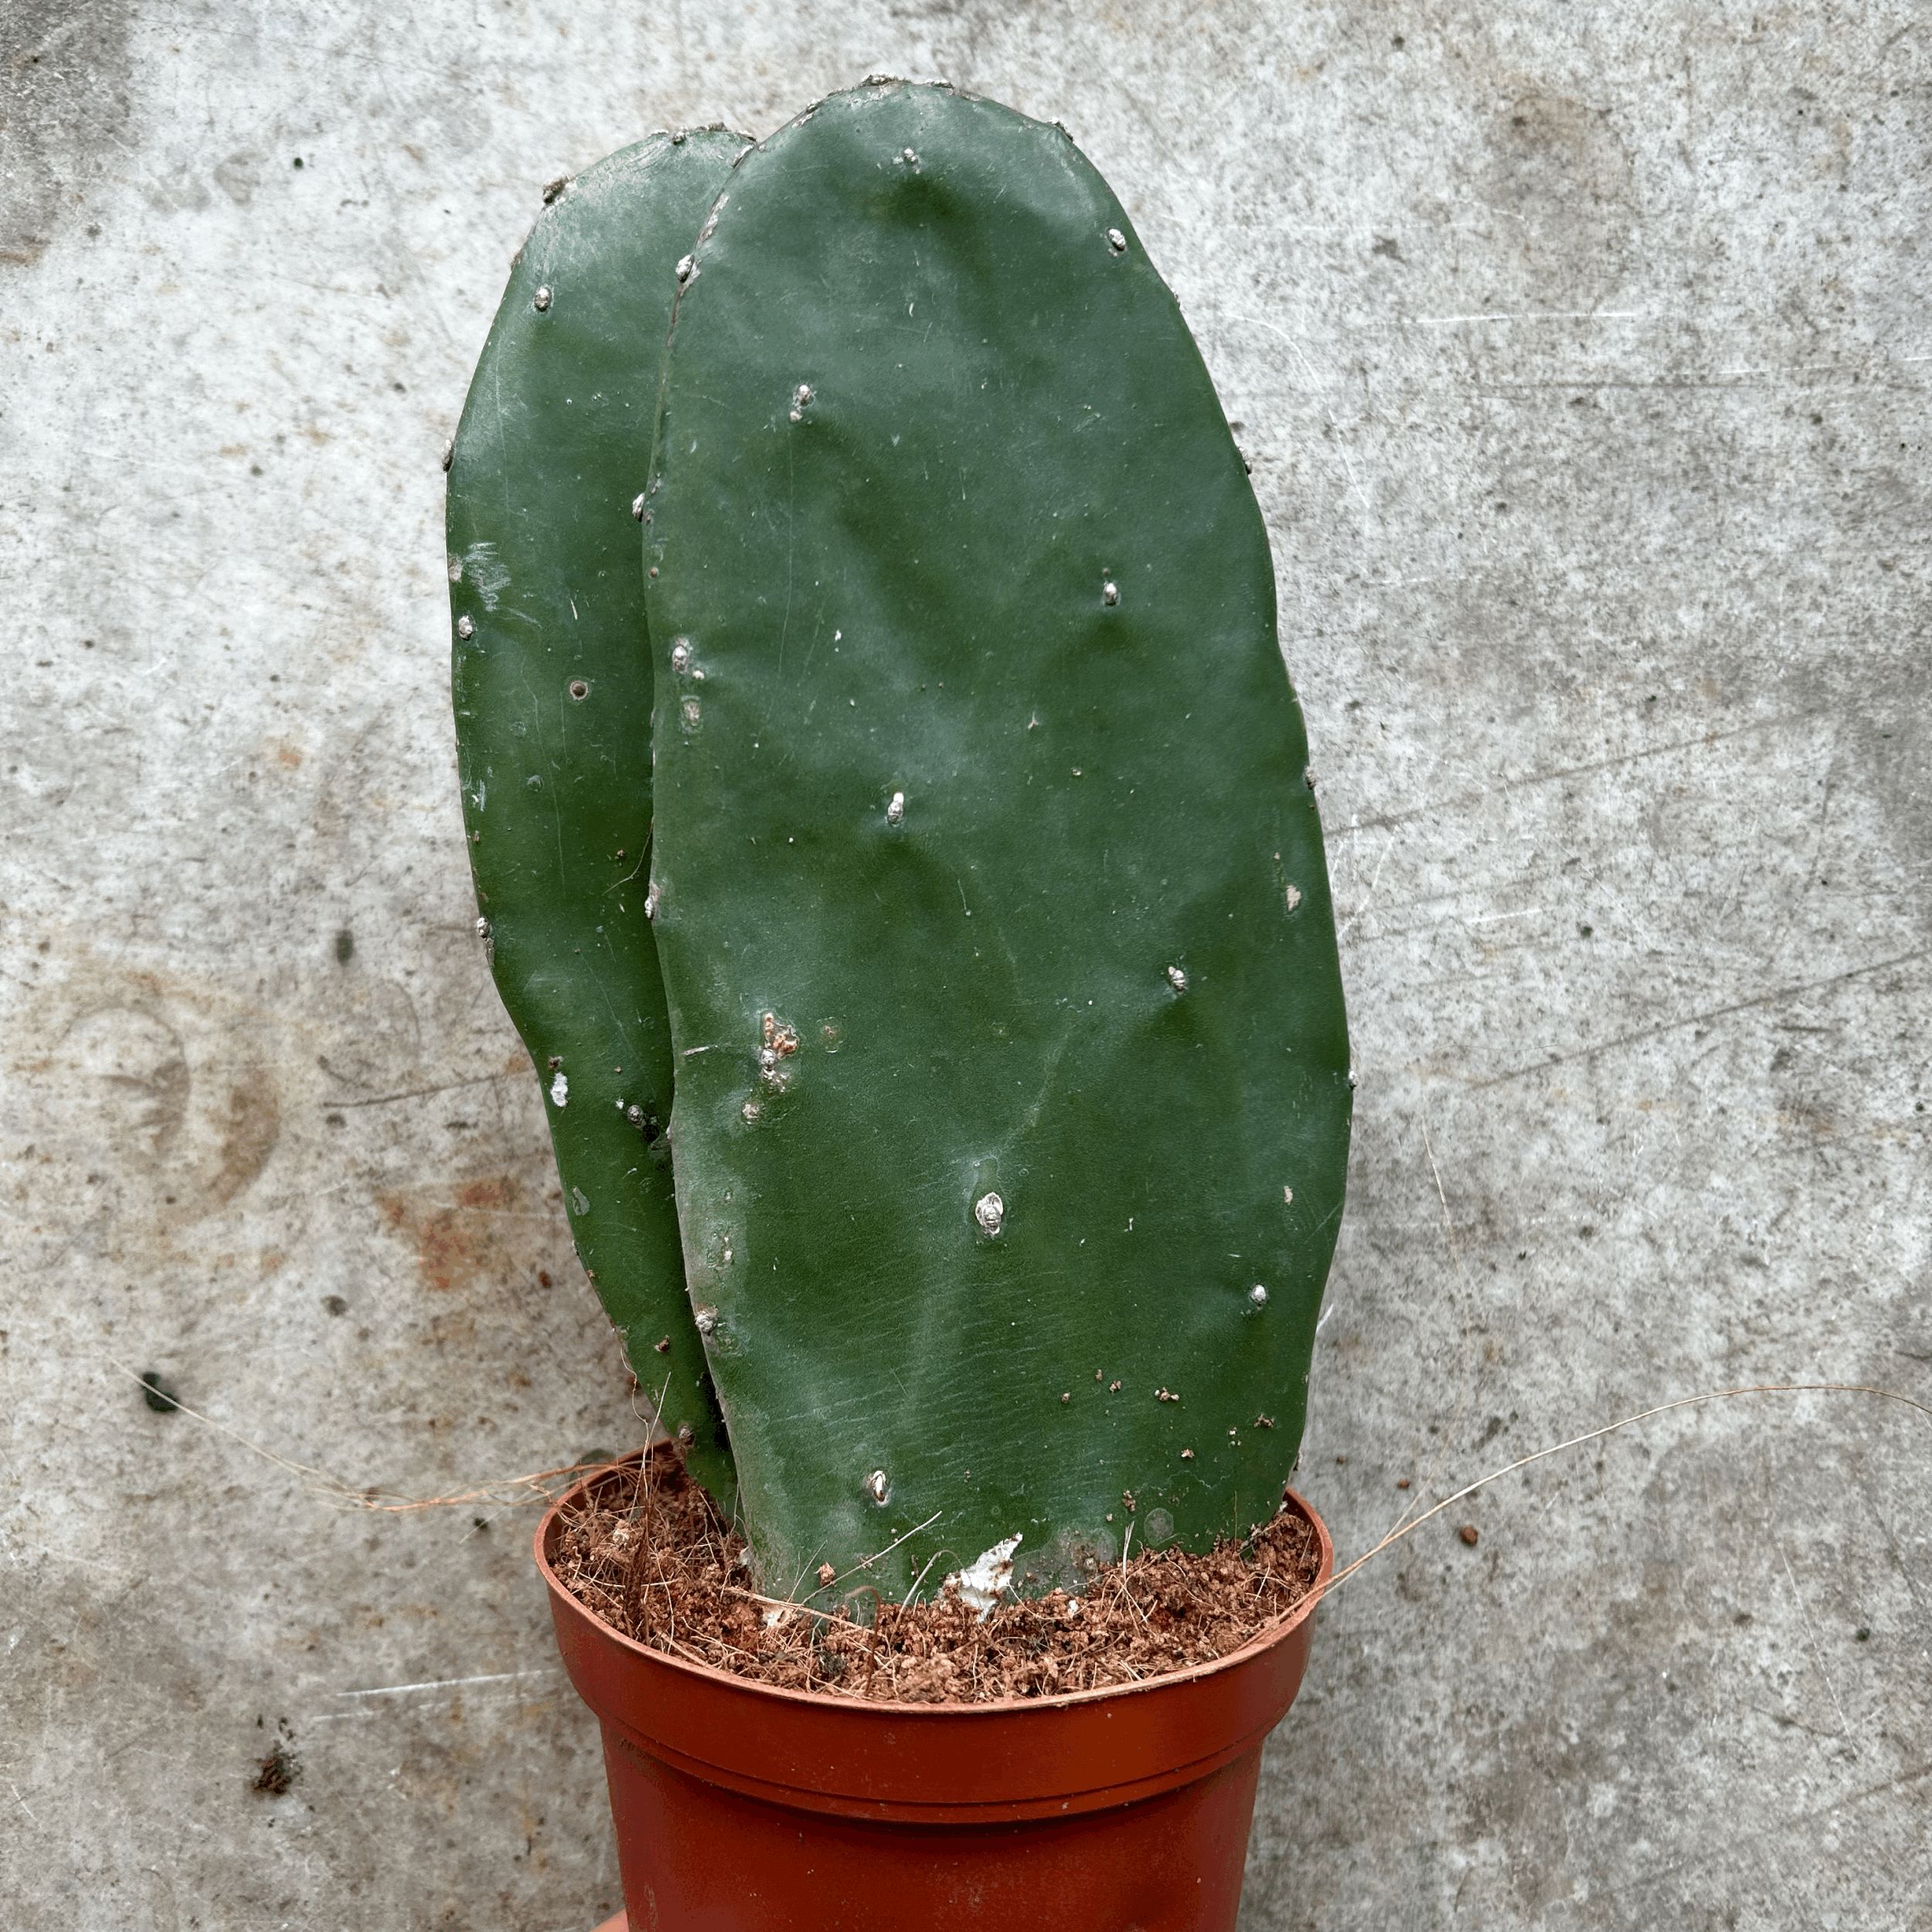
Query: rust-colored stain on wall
[[456, 1232]]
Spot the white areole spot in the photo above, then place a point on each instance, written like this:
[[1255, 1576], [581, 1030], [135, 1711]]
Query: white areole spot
[[559, 1091], [984, 1580]]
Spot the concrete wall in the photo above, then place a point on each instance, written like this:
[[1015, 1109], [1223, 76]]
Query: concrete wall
[[1580, 353]]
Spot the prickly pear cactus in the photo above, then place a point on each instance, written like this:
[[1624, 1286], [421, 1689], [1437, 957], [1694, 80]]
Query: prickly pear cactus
[[1012, 1081], [551, 686]]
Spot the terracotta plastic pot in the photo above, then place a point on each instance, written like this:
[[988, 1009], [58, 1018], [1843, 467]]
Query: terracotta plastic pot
[[742, 1808]]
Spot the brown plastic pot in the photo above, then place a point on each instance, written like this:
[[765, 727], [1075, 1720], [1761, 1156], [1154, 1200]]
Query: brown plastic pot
[[742, 1808]]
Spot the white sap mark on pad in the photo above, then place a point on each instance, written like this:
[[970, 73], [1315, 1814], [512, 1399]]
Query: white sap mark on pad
[[989, 1211], [483, 568], [559, 1089], [984, 1581], [580, 1200], [1293, 897], [1258, 1295], [896, 810]]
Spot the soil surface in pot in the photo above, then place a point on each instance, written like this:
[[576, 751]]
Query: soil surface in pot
[[650, 1556]]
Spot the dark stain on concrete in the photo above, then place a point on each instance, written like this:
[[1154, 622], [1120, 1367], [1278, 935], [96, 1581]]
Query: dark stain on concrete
[[253, 1127], [1562, 173], [64, 109]]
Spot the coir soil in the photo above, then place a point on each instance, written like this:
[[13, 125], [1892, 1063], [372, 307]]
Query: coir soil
[[648, 1554]]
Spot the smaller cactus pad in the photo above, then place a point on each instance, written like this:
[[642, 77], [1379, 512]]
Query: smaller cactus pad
[[552, 694]]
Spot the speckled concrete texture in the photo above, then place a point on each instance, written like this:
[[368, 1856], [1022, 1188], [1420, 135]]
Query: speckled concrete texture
[[1580, 355]]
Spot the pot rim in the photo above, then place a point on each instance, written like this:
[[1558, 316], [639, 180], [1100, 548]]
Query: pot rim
[[1262, 1639]]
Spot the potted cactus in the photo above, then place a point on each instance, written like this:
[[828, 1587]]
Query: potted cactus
[[907, 878]]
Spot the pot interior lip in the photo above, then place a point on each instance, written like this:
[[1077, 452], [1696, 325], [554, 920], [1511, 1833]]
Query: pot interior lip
[[927, 1713]]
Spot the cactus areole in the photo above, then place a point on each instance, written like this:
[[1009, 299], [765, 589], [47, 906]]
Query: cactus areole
[[1012, 1093], [552, 687]]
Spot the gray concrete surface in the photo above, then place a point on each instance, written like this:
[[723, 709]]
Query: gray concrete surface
[[1581, 356]]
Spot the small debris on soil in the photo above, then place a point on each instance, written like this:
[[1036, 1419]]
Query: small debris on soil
[[1468, 1532], [157, 1394], [650, 1556]]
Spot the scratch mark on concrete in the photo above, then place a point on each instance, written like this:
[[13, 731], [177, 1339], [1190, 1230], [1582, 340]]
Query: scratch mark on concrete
[[415, 1093], [443, 1683], [1818, 1660], [1261, 321], [1539, 315], [1370, 893], [1770, 998], [1437, 808]]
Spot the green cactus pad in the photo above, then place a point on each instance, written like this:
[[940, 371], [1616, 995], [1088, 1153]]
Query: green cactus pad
[[988, 865], [551, 685]]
